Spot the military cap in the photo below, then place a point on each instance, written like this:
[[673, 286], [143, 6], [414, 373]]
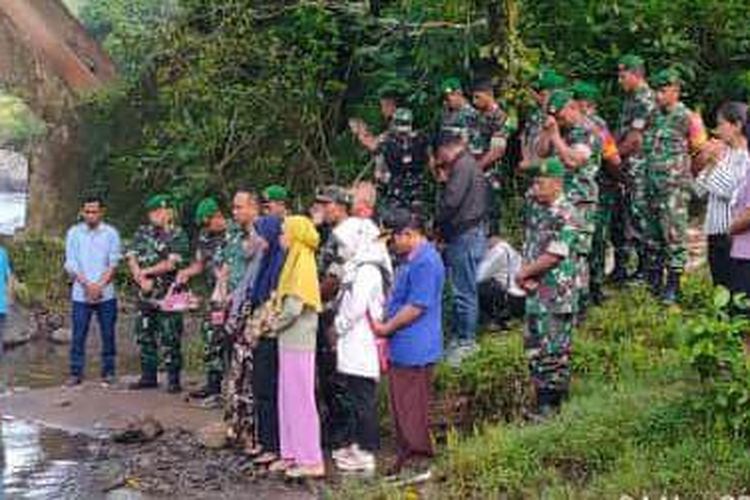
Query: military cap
[[450, 85], [631, 62], [334, 194], [666, 77], [206, 209], [549, 79], [585, 91], [275, 193], [403, 119], [550, 167], [558, 100], [158, 201]]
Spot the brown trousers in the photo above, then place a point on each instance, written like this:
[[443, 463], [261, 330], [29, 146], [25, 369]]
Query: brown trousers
[[410, 391]]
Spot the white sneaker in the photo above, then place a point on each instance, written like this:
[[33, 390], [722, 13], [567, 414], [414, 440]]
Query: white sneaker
[[340, 453], [359, 461]]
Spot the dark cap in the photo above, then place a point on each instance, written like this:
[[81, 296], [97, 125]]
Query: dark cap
[[400, 219], [483, 85], [333, 194], [448, 137]]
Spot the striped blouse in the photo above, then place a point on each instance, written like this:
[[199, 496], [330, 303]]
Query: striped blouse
[[720, 184]]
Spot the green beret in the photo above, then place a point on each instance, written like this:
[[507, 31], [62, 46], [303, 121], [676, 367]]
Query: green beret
[[549, 79], [205, 210], [585, 91], [632, 62], [450, 85], [558, 100], [665, 78], [549, 167], [158, 201], [275, 193]]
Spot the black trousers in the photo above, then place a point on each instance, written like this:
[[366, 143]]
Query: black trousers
[[741, 276], [719, 259], [362, 424], [265, 387]]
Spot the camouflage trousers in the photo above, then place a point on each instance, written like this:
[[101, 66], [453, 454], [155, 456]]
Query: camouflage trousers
[[609, 227], [214, 344], [667, 242], [239, 410], [547, 342], [639, 215], [159, 336], [587, 214]]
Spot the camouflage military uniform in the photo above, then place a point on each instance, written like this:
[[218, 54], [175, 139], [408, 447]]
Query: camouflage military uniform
[[157, 330], [551, 306], [609, 224], [495, 128], [401, 160], [637, 114], [464, 121], [667, 146], [582, 190], [210, 250]]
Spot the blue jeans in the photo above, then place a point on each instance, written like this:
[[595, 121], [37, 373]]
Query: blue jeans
[[106, 314], [462, 257]]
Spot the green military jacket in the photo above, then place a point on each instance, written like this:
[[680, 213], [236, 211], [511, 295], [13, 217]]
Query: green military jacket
[[152, 245]]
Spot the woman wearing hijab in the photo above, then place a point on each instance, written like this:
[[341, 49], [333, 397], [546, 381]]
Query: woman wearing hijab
[[266, 369], [367, 273], [298, 303]]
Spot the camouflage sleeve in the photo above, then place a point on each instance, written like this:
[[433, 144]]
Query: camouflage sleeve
[[644, 107], [501, 131], [136, 243], [581, 139], [179, 246]]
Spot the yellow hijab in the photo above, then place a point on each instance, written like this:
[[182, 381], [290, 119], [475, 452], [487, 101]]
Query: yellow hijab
[[299, 276]]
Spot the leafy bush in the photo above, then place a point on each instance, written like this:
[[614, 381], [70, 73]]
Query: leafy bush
[[494, 380], [38, 263]]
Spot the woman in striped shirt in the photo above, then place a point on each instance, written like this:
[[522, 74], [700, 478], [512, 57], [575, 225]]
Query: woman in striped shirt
[[727, 166]]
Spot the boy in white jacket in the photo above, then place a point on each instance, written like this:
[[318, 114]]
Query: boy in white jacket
[[367, 273]]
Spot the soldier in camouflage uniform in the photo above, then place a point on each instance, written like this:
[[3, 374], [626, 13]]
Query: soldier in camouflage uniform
[[675, 135], [570, 136], [496, 126], [548, 275], [242, 255], [609, 223], [459, 116], [209, 260], [636, 117], [157, 249]]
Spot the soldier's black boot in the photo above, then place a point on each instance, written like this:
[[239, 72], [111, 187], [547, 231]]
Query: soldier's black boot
[[642, 271], [672, 289], [212, 387], [174, 386], [656, 278], [147, 381]]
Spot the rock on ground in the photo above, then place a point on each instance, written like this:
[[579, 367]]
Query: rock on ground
[[19, 327]]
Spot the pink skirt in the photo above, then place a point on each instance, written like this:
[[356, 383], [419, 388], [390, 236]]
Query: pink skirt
[[299, 423]]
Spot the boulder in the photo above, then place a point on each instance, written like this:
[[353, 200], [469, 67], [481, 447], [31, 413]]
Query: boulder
[[19, 327], [213, 436], [141, 430]]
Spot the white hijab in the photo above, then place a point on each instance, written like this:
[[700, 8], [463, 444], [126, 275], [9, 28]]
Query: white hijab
[[358, 244]]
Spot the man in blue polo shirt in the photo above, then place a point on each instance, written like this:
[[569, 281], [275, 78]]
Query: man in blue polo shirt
[[413, 326]]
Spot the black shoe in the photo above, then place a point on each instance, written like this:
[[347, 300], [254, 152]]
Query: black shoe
[[212, 387], [656, 278], [173, 386], [671, 292], [73, 381], [147, 381]]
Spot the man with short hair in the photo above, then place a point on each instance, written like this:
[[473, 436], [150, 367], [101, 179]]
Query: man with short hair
[[676, 135], [413, 327], [571, 137], [92, 253], [364, 200], [546, 81], [459, 116], [209, 259], [460, 221], [548, 275], [609, 221], [495, 128], [636, 117], [159, 248]]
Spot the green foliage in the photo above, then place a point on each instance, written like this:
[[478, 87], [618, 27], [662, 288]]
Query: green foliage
[[716, 350], [17, 122], [494, 379], [38, 264]]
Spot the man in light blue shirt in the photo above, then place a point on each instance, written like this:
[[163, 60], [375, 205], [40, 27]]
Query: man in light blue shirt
[[5, 276], [92, 252]]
